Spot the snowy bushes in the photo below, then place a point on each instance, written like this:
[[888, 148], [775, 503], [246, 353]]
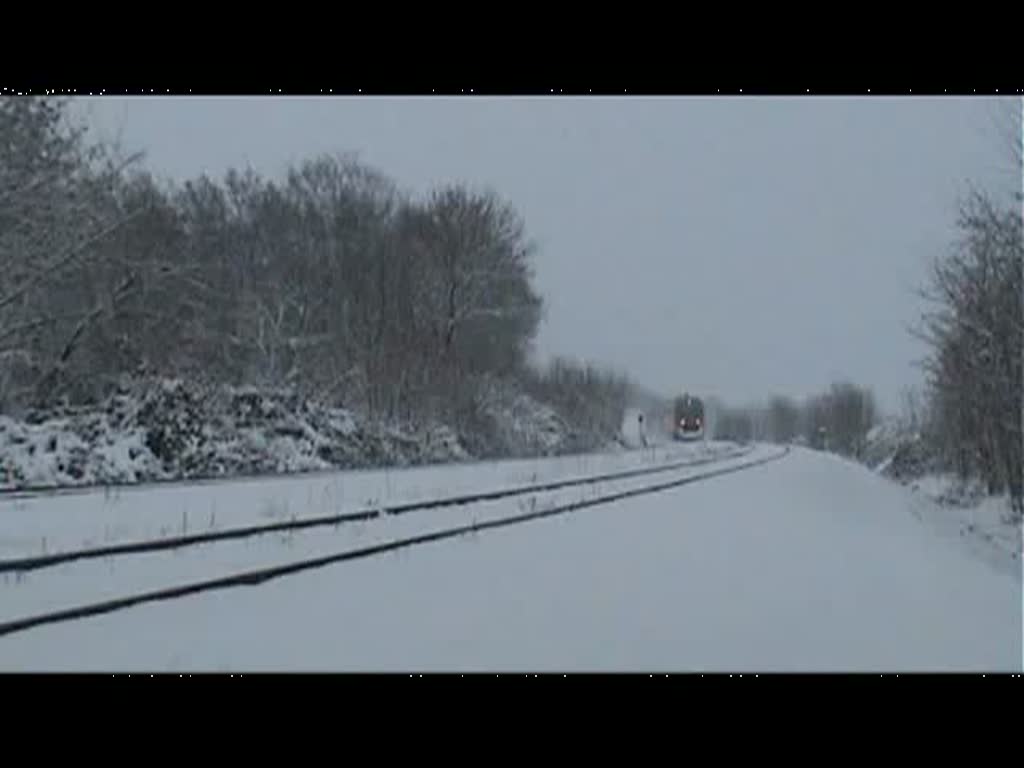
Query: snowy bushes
[[170, 429], [591, 402], [56, 453], [505, 422], [898, 451], [166, 429]]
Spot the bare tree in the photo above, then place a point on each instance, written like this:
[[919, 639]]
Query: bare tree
[[56, 212], [330, 280], [476, 297], [976, 333]]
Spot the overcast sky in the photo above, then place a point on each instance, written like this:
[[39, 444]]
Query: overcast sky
[[734, 247]]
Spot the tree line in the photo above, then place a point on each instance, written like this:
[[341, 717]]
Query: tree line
[[331, 281], [973, 404], [837, 420]]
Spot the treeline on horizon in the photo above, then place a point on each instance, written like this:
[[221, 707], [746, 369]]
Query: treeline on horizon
[[837, 420]]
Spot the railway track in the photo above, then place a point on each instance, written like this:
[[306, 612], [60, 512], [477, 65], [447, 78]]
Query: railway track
[[37, 562], [258, 576], [27, 493]]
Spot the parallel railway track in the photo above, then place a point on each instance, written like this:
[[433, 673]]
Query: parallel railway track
[[261, 575], [37, 562]]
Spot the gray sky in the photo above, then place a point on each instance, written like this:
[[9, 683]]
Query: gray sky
[[732, 247]]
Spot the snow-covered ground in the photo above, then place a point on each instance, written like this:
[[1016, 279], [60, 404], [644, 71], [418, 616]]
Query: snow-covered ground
[[984, 522], [808, 563], [46, 524], [88, 581], [945, 504]]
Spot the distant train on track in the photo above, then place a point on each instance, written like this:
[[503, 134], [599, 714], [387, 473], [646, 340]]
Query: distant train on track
[[688, 418]]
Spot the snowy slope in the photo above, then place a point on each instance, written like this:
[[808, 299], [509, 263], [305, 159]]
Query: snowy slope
[[984, 523], [948, 505], [810, 563]]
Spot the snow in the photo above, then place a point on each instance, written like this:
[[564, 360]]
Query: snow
[[985, 522], [522, 424], [55, 453], [50, 589], [949, 506], [28, 526], [881, 468], [170, 429], [811, 563], [896, 449]]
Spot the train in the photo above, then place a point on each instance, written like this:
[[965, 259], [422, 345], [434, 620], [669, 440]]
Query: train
[[688, 420]]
